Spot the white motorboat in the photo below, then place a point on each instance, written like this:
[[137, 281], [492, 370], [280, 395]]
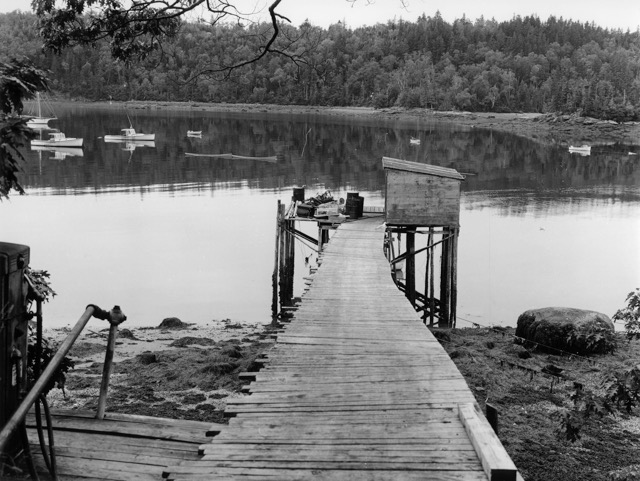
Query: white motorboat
[[58, 139], [414, 141], [582, 149], [129, 134], [194, 133]]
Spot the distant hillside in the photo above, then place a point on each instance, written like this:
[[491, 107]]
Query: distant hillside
[[524, 64]]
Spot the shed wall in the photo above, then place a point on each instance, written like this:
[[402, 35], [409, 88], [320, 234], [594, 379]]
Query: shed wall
[[422, 200]]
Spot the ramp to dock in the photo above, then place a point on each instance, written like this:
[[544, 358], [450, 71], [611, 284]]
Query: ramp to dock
[[355, 388], [120, 447]]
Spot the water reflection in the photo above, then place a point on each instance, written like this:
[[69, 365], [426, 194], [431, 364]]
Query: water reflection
[[130, 146], [59, 153], [339, 154], [166, 233]]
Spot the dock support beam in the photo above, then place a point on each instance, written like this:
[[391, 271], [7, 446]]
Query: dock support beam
[[441, 241]]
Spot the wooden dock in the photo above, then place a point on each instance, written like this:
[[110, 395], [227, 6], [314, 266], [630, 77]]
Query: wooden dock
[[356, 388], [120, 447]]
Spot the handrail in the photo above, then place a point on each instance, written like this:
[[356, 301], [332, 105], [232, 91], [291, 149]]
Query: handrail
[[106, 370], [115, 317]]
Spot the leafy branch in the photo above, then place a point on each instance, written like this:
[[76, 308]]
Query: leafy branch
[[630, 315], [19, 80], [40, 286]]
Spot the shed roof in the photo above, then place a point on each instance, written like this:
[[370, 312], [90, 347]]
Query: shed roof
[[408, 166]]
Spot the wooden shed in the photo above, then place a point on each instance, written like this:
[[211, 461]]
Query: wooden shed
[[421, 194], [423, 201]]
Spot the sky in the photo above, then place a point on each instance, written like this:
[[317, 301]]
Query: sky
[[613, 14]]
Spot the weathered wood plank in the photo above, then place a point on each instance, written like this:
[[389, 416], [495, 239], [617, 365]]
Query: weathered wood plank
[[496, 462], [204, 465], [252, 474], [456, 445], [356, 387], [155, 431], [120, 447], [119, 444]]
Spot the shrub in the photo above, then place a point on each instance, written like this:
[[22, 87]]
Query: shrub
[[630, 315]]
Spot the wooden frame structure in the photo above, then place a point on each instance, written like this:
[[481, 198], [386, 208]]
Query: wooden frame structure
[[284, 262], [424, 200]]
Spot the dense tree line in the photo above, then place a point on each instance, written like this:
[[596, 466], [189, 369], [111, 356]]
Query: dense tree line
[[524, 64]]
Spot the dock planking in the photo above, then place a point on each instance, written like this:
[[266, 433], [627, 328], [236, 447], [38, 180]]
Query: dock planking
[[119, 447], [356, 387]]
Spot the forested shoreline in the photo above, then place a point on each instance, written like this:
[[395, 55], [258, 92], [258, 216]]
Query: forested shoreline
[[522, 65]]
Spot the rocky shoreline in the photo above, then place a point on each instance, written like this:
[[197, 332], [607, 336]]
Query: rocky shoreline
[[557, 129], [174, 370]]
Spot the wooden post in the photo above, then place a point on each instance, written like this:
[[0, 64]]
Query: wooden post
[[290, 261], [427, 300], [38, 364], [492, 416], [410, 290], [444, 281], [106, 370], [454, 277], [432, 301], [282, 257], [274, 275]]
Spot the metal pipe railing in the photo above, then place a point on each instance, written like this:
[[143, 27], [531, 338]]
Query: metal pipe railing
[[115, 317], [106, 371]]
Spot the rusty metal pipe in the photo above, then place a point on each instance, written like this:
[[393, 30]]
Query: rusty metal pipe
[[38, 387]]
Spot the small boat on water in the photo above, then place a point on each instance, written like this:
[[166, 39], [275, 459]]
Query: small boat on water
[[194, 133], [129, 134], [58, 139], [414, 141], [39, 122], [582, 149]]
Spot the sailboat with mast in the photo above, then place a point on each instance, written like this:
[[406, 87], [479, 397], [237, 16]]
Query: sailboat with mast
[[129, 135], [39, 121]]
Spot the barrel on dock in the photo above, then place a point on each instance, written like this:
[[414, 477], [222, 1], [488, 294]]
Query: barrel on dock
[[354, 205], [298, 194]]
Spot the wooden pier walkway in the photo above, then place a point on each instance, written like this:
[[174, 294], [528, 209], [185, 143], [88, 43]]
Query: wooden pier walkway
[[356, 388]]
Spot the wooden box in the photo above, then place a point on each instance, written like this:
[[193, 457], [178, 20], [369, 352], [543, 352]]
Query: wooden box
[[421, 194]]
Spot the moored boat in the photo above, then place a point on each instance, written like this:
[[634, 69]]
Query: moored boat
[[58, 139], [129, 134], [582, 149], [194, 133], [414, 141], [39, 121]]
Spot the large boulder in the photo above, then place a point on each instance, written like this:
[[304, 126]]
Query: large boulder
[[573, 330], [172, 323]]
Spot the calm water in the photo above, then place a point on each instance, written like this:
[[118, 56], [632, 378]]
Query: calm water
[[164, 234]]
